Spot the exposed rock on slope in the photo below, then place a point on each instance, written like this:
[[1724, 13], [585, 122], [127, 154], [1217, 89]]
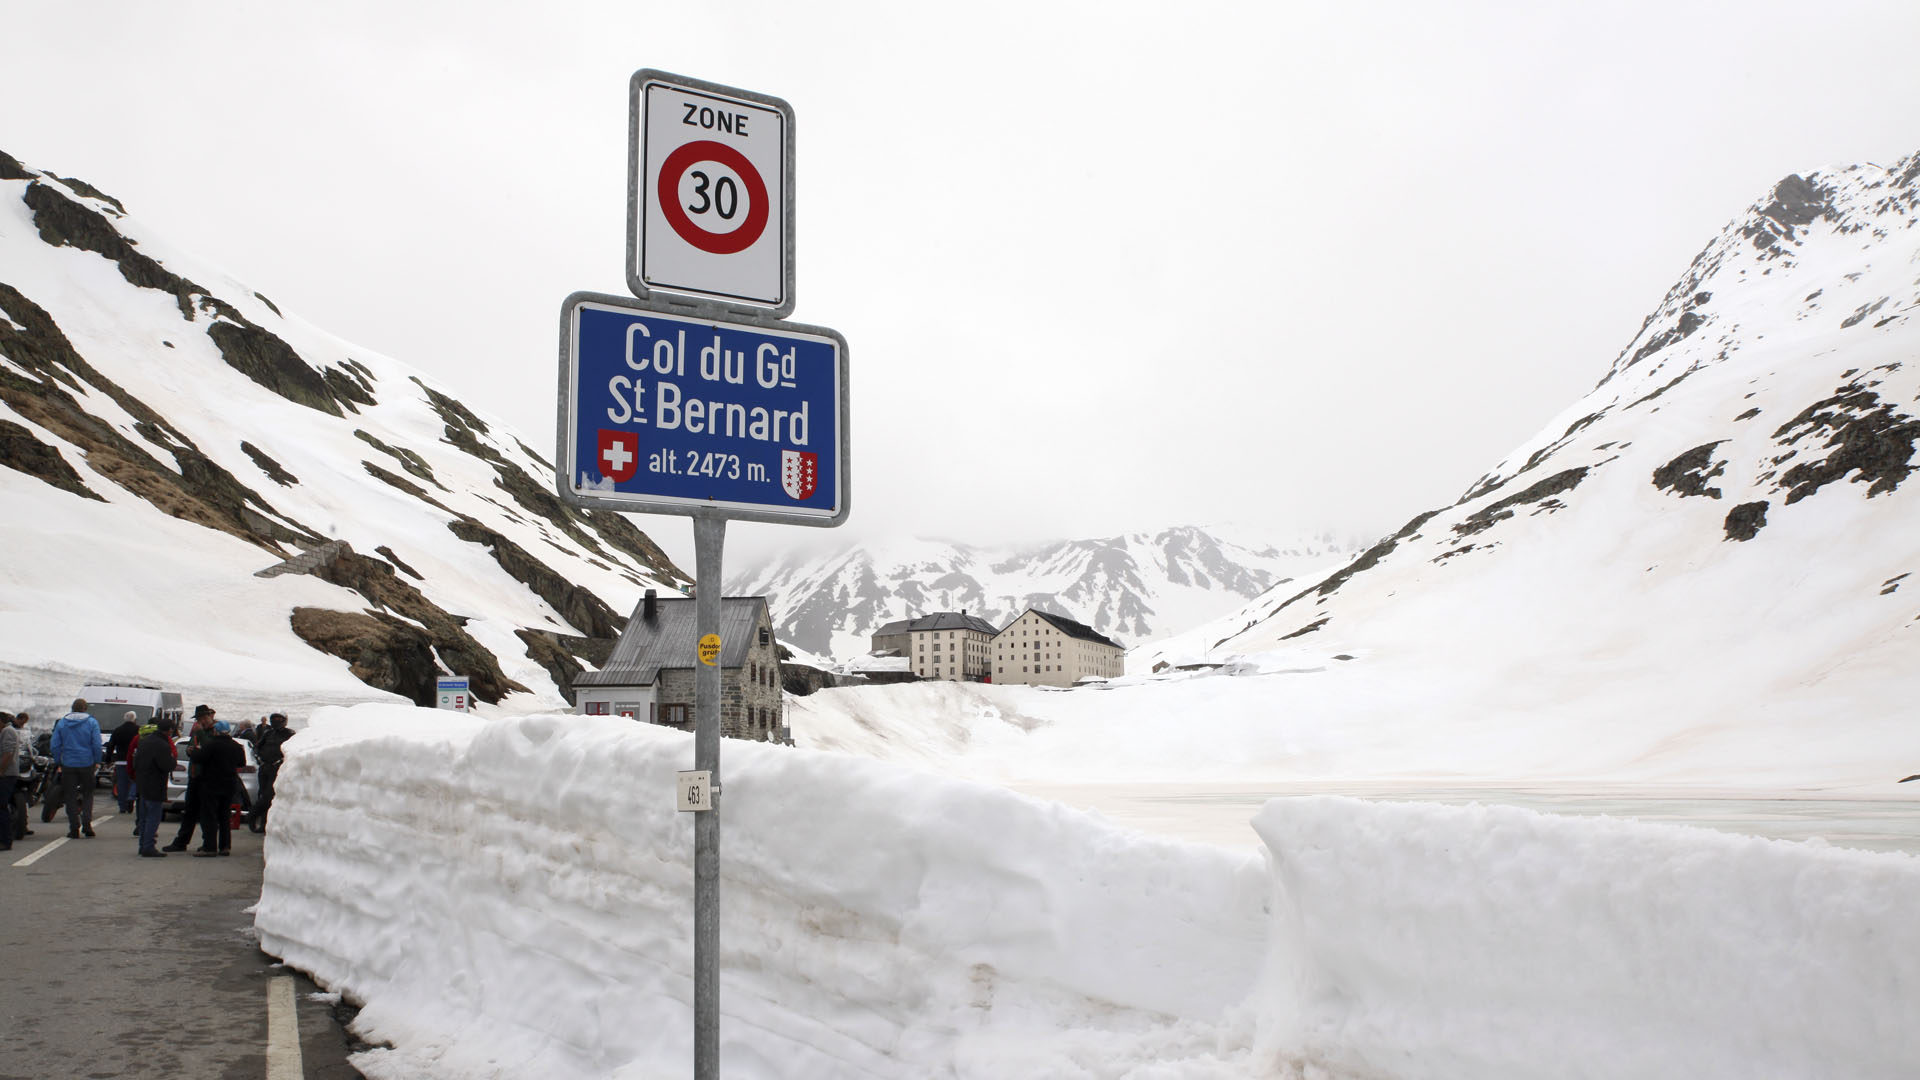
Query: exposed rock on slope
[[1738, 476], [213, 407]]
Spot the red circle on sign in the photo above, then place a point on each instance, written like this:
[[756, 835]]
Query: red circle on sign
[[726, 243]]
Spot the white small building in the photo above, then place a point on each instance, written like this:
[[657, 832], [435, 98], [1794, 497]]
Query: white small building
[[945, 645], [1043, 649]]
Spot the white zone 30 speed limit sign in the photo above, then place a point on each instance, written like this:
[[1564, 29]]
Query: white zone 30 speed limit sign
[[710, 202]]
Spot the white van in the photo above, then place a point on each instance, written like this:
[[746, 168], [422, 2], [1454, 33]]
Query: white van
[[111, 704]]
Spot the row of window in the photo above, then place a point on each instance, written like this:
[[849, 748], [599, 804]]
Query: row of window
[[760, 717]]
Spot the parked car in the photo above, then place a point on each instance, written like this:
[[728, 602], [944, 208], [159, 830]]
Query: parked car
[[177, 783]]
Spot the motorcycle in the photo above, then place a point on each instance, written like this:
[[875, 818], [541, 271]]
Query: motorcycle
[[39, 786], [23, 797]]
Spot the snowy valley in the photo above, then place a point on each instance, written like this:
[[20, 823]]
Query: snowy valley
[[1691, 584], [1697, 579]]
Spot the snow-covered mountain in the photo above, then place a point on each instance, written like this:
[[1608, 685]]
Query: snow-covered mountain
[[1721, 530], [207, 492], [1132, 588]]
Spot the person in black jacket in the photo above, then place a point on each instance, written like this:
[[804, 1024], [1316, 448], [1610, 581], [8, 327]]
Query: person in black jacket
[[203, 721], [122, 764], [153, 761], [270, 745], [218, 759]]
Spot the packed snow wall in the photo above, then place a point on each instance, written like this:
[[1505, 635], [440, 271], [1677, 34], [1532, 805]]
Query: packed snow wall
[[513, 898], [1470, 943]]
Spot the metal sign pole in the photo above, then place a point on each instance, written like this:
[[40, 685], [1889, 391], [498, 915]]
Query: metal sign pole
[[702, 433], [709, 538]]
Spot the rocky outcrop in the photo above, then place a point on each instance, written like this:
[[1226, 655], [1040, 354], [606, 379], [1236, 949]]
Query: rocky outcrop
[[1802, 307], [442, 631], [247, 347], [382, 651], [565, 656], [1691, 474], [20, 451], [36, 386], [263, 357], [415, 465], [401, 484], [67, 424], [586, 612], [464, 430], [803, 679], [65, 223], [269, 466], [1541, 492], [1868, 439], [1745, 521]]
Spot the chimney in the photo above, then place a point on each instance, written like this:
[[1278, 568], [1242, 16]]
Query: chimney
[[646, 612]]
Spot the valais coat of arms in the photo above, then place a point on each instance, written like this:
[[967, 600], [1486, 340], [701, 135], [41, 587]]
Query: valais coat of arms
[[799, 473]]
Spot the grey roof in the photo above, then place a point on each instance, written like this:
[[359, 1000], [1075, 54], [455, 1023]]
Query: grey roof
[[1075, 629], [939, 620], [670, 639]]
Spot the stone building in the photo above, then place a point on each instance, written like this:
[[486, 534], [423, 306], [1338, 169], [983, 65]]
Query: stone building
[[650, 674], [945, 645], [1043, 649]]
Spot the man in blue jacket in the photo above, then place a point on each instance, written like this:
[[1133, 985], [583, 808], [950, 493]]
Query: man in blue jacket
[[76, 752]]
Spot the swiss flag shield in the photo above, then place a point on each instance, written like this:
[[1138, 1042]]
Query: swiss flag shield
[[799, 473], [619, 456]]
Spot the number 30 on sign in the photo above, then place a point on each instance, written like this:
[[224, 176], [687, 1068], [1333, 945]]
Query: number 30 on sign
[[712, 172]]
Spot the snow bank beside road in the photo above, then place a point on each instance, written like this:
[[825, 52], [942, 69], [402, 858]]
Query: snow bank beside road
[[512, 898], [1485, 942]]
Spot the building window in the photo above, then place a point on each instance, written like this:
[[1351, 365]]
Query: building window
[[596, 708]]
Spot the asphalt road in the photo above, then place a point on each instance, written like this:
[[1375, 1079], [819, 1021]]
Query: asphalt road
[[118, 966]]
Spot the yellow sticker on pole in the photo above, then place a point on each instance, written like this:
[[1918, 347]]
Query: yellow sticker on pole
[[710, 649]]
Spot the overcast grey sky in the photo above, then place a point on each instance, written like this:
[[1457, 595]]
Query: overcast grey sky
[[1310, 265]]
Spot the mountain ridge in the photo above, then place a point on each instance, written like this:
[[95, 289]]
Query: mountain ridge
[[128, 385], [1737, 473], [1132, 587]]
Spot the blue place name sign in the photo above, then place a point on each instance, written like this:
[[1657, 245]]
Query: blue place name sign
[[667, 412]]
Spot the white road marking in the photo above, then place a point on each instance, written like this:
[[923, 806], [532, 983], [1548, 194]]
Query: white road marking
[[51, 844], [38, 855], [283, 1031]]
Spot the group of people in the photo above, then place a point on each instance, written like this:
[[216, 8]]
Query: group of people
[[13, 770], [144, 757]]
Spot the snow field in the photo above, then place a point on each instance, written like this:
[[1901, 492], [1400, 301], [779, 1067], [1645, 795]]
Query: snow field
[[513, 898]]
